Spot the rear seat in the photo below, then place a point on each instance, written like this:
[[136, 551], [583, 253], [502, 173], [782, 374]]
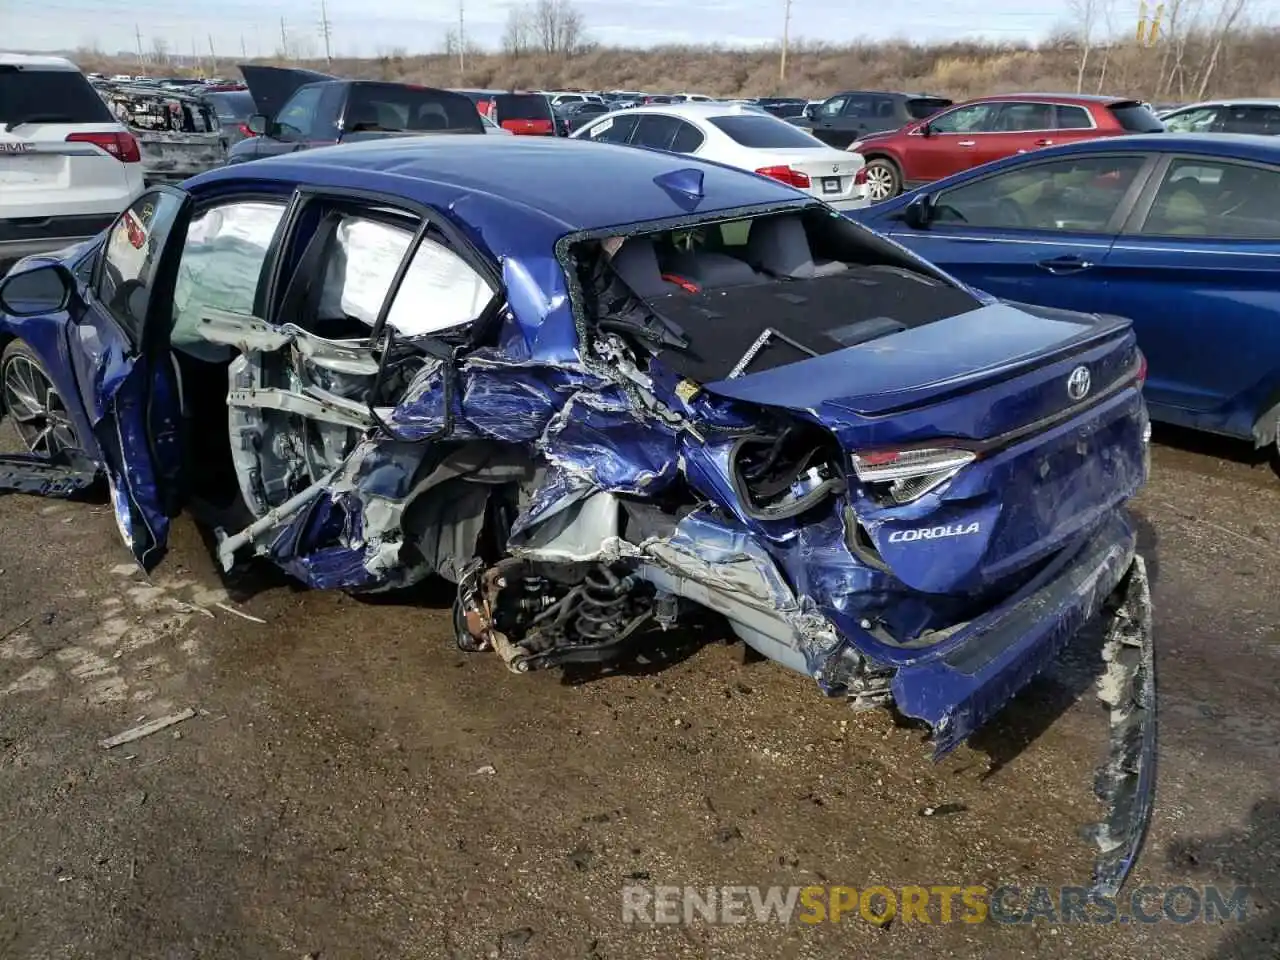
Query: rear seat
[[779, 246]]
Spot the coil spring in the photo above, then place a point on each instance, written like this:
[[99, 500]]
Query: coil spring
[[603, 608]]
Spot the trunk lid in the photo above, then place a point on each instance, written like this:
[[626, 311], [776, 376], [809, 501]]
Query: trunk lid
[[271, 87], [1047, 454]]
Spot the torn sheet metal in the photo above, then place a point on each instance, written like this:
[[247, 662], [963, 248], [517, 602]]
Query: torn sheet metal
[[179, 134], [67, 475]]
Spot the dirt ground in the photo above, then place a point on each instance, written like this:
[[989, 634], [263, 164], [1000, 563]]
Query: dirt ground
[[353, 786]]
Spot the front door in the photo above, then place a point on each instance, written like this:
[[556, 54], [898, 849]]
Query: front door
[[119, 348]]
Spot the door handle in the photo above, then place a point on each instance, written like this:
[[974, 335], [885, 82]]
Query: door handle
[[967, 143], [1044, 143], [1061, 265]]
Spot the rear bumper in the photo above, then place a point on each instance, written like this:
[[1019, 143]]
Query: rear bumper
[[854, 203], [30, 236], [963, 685]]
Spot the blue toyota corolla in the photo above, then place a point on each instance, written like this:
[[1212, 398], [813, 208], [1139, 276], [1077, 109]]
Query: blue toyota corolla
[[1180, 233], [598, 387]]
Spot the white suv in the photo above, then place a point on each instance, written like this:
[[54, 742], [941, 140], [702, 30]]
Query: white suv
[[67, 166]]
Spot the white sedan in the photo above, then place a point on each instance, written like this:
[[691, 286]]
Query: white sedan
[[739, 136]]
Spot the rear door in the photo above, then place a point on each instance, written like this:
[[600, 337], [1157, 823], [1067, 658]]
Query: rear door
[[1035, 232], [1195, 270], [62, 153], [123, 368]]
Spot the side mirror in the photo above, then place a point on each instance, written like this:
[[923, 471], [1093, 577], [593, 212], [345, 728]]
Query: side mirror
[[45, 289], [259, 124], [919, 212], [925, 130]]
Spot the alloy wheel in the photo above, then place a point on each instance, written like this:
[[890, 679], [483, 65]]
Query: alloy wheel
[[38, 412], [881, 183]]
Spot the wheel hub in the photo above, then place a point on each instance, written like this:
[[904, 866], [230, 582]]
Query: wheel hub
[[38, 412]]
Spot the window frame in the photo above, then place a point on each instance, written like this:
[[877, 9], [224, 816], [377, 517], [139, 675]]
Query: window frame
[[313, 88], [1141, 211], [599, 121], [307, 197], [1120, 217], [685, 124], [994, 106], [657, 114]]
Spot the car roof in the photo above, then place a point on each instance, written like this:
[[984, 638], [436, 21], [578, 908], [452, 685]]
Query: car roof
[[30, 62], [884, 93], [1232, 102], [514, 191], [693, 110], [1070, 98], [1238, 146]]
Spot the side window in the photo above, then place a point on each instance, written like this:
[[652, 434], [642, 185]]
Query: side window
[[1072, 118], [439, 291], [971, 119], [221, 267], [688, 138], [655, 130], [858, 107], [297, 117], [613, 129], [1075, 195], [832, 108], [1206, 198], [132, 254], [1017, 117], [1244, 119], [1200, 120]]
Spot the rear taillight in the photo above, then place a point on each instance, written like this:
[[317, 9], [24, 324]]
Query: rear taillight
[[860, 178], [910, 474], [1142, 369], [122, 146], [792, 178], [245, 131]]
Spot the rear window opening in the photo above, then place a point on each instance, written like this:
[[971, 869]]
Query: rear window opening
[[48, 96], [764, 132], [1136, 118], [731, 297]]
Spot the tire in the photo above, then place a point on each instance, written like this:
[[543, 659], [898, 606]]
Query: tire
[[884, 181], [38, 412]]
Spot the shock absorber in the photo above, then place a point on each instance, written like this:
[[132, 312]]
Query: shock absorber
[[602, 611]]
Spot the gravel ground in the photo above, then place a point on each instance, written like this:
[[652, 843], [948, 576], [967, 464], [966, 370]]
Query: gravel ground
[[352, 786]]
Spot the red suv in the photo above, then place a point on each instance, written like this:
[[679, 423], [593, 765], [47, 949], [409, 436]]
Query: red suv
[[990, 128]]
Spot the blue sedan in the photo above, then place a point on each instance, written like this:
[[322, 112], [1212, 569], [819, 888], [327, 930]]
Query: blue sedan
[[1181, 234], [595, 387]]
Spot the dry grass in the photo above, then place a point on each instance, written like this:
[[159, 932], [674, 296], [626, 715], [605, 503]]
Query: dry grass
[[1249, 65]]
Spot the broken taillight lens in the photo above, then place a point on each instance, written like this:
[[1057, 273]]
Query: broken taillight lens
[[792, 178], [910, 474], [122, 146], [860, 178]]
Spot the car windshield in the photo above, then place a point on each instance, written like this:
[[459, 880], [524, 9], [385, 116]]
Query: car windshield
[[922, 107], [1136, 118], [762, 131], [49, 96], [522, 106], [394, 107]]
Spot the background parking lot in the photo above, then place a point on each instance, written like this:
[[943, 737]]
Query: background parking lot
[[353, 786]]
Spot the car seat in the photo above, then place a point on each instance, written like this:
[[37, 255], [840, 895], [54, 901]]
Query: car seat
[[779, 247]]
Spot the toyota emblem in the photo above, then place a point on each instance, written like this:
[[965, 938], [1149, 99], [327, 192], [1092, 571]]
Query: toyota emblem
[[1078, 383]]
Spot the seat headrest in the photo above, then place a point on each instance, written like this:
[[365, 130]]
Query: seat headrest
[[637, 263], [779, 246]]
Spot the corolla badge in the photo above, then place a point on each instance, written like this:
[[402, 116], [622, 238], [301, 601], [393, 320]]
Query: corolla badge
[[1078, 383], [934, 533]]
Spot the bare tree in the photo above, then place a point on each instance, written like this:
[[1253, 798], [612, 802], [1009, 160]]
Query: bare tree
[[517, 35], [1228, 13], [1084, 14], [159, 50], [557, 27]]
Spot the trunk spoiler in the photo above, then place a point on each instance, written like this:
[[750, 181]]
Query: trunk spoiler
[[271, 87]]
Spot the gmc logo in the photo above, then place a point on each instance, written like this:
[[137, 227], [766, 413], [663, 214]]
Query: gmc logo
[[20, 146]]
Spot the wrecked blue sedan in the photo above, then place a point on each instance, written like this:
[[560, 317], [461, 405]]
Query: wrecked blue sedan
[[599, 389]]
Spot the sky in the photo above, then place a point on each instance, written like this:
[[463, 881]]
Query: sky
[[368, 27]]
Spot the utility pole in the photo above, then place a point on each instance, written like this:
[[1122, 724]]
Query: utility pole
[[244, 53], [284, 40], [325, 31], [138, 34], [786, 37], [213, 57], [195, 58], [462, 42]]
